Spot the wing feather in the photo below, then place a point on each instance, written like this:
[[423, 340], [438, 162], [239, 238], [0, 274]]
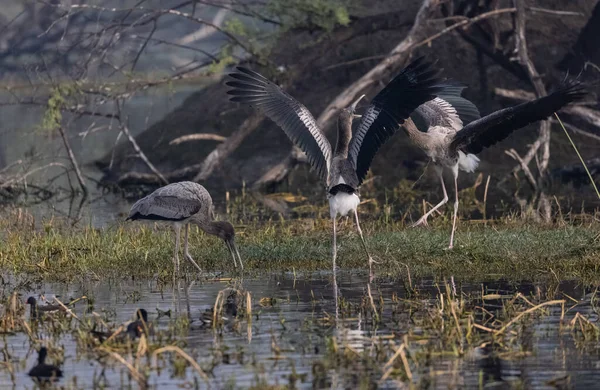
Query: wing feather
[[164, 207], [495, 127], [449, 109], [415, 85], [294, 119]]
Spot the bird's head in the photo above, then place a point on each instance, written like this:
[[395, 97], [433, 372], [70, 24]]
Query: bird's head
[[226, 232], [349, 111], [142, 314], [31, 301]]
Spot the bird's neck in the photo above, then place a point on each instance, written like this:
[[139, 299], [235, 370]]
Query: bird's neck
[[210, 227], [415, 135], [344, 135]]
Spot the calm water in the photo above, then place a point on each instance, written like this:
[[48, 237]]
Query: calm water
[[291, 335]]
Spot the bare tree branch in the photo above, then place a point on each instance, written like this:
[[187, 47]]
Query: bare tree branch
[[198, 137], [73, 160], [221, 152], [540, 89], [137, 148]]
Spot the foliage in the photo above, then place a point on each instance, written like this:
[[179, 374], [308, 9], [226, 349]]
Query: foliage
[[57, 102], [312, 14]]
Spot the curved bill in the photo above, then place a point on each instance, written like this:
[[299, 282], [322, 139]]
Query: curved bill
[[234, 251], [352, 107]]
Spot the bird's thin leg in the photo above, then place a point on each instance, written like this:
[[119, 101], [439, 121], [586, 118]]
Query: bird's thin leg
[[455, 172], [176, 252], [185, 248], [423, 219], [371, 261], [334, 245]]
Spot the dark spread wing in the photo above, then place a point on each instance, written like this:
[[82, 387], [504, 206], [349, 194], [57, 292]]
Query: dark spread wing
[[446, 109], [495, 127], [415, 85], [164, 208], [295, 119]]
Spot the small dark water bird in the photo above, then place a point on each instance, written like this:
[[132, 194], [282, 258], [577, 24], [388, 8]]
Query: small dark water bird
[[140, 326], [43, 372], [344, 169], [181, 204], [448, 129], [35, 310], [133, 331]]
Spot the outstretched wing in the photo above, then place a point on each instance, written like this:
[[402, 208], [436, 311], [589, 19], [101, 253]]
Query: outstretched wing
[[495, 127], [293, 118], [415, 85]]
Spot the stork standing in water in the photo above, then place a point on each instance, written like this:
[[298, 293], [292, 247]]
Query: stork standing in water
[[452, 132], [181, 204], [344, 170]]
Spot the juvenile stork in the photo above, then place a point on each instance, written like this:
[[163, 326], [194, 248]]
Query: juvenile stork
[[181, 204], [343, 170], [448, 129]]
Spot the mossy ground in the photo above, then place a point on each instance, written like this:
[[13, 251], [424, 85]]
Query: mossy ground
[[497, 249]]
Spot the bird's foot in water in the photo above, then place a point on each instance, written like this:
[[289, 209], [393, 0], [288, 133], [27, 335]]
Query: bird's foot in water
[[450, 247], [421, 222]]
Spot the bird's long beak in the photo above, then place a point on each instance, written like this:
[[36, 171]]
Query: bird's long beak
[[353, 106], [234, 251]]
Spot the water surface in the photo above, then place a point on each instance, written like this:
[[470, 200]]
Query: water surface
[[292, 330]]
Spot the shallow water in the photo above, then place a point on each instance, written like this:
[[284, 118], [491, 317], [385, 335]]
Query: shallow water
[[291, 336]]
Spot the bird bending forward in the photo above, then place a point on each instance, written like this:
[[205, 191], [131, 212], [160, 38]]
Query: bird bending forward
[[181, 204], [344, 169], [448, 129]]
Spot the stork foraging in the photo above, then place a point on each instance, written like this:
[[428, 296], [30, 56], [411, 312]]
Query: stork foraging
[[453, 132], [344, 170], [181, 204]]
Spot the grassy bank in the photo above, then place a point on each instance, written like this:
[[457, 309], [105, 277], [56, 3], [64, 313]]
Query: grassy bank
[[511, 250]]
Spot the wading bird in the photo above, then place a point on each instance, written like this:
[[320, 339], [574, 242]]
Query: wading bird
[[343, 170], [181, 204], [453, 132], [43, 372]]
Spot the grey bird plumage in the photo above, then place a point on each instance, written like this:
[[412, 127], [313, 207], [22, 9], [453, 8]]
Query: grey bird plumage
[[344, 170], [448, 129], [181, 204]]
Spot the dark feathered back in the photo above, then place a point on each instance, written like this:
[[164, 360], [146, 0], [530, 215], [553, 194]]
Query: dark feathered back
[[495, 127], [415, 85]]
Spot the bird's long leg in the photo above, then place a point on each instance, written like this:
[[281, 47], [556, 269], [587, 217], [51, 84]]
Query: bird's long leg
[[334, 244], [455, 173], [423, 219], [177, 228], [371, 261], [185, 248]]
